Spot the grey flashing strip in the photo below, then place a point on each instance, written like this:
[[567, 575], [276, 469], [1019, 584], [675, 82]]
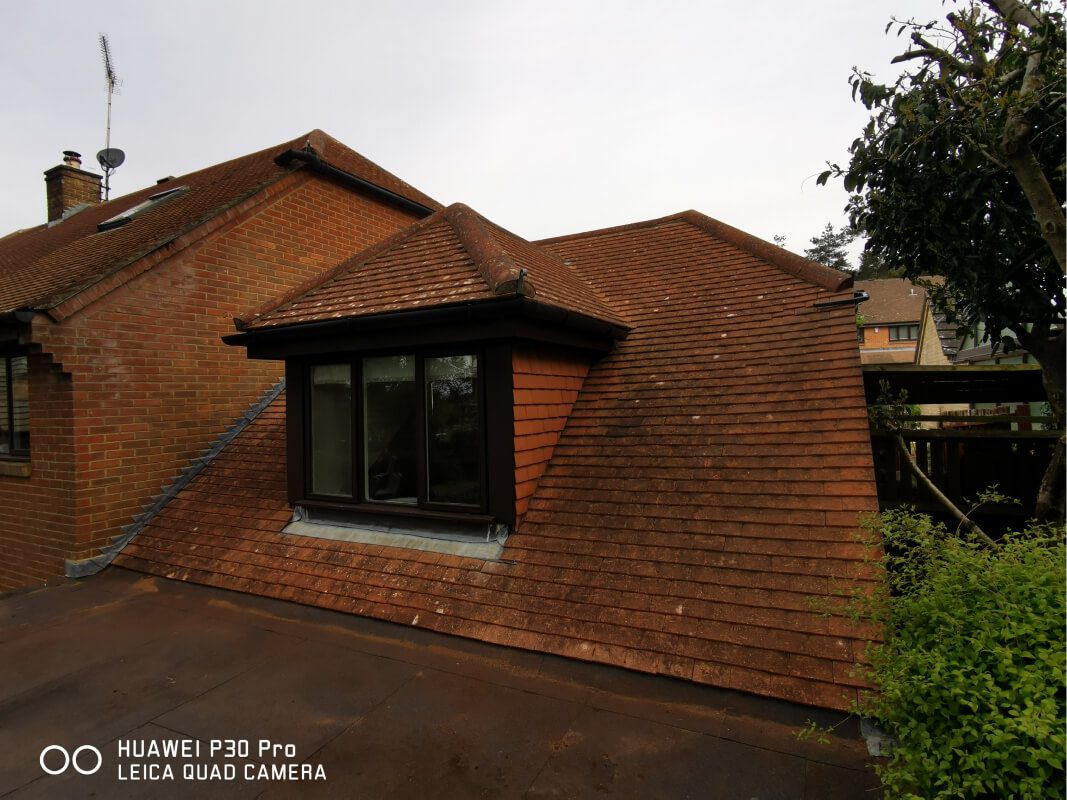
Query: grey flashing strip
[[487, 551], [85, 567]]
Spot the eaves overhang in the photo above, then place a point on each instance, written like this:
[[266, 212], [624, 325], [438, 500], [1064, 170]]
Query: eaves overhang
[[509, 317], [315, 163]]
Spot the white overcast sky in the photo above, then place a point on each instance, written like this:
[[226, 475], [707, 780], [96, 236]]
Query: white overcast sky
[[547, 117]]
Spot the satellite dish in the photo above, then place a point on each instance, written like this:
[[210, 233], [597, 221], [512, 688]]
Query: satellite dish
[[111, 158]]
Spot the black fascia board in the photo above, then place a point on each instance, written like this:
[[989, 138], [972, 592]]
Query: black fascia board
[[481, 320], [317, 164]]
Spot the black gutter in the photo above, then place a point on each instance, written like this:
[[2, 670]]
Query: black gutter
[[19, 315], [316, 163], [858, 296], [478, 311]]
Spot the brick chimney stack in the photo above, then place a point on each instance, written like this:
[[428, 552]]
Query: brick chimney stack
[[68, 185]]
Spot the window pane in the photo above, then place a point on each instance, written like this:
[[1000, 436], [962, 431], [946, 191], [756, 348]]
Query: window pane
[[5, 411], [331, 429], [389, 396], [452, 431], [20, 400]]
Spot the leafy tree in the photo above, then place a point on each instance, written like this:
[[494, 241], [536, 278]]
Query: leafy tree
[[829, 247], [960, 172]]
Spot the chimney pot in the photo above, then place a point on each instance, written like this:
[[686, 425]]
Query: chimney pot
[[72, 159]]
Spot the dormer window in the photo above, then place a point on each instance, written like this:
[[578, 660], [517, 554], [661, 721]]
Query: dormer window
[[401, 430], [429, 377], [141, 208]]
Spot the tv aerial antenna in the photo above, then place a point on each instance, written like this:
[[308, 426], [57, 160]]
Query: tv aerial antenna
[[110, 158]]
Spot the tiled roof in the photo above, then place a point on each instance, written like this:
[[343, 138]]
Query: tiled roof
[[892, 300], [453, 256], [43, 266], [698, 512], [948, 333]]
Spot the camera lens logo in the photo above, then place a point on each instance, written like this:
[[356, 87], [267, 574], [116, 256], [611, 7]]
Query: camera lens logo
[[78, 759]]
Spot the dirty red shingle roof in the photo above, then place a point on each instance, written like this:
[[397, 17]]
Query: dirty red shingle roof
[[453, 256], [891, 300], [698, 511], [43, 266]]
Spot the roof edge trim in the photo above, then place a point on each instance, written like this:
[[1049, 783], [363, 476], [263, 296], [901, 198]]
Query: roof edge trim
[[315, 162], [481, 310]]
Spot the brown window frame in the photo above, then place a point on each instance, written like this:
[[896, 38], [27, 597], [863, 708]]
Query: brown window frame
[[8, 400], [358, 499], [894, 333]]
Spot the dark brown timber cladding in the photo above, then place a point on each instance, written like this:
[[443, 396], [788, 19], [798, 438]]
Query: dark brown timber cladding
[[704, 491]]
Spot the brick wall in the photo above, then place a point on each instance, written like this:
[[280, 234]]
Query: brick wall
[[37, 512], [546, 384], [149, 382], [876, 337]]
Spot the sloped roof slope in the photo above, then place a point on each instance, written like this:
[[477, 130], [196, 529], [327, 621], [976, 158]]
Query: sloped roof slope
[[43, 266], [891, 300], [453, 256], [700, 504]]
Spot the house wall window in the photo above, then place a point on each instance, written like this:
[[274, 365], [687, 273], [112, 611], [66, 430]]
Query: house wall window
[[453, 431], [390, 430], [412, 435], [903, 333], [331, 429], [14, 407]]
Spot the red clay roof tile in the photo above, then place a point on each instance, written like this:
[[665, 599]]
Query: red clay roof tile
[[453, 256], [703, 494]]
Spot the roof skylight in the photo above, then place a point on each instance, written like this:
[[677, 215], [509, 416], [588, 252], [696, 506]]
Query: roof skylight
[[139, 209]]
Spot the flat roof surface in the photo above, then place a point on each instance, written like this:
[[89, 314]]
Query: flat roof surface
[[386, 710]]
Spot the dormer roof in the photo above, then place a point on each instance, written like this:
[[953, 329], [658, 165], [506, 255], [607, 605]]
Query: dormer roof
[[453, 257]]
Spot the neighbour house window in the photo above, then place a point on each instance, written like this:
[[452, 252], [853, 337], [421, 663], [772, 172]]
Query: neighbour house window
[[411, 434], [903, 333], [861, 335], [15, 404]]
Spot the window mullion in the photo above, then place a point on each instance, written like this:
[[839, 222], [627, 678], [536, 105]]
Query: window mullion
[[483, 439], [420, 429], [358, 446], [10, 406]]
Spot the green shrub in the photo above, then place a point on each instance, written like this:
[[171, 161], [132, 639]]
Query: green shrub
[[971, 670]]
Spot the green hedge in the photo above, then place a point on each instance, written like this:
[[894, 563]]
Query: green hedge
[[971, 671]]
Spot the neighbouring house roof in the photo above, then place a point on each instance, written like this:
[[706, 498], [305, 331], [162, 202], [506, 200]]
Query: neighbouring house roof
[[453, 256], [935, 323], [43, 266], [891, 300], [697, 515]]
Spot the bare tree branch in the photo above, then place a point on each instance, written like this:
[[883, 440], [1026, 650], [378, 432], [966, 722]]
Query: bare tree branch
[[966, 522], [943, 57]]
